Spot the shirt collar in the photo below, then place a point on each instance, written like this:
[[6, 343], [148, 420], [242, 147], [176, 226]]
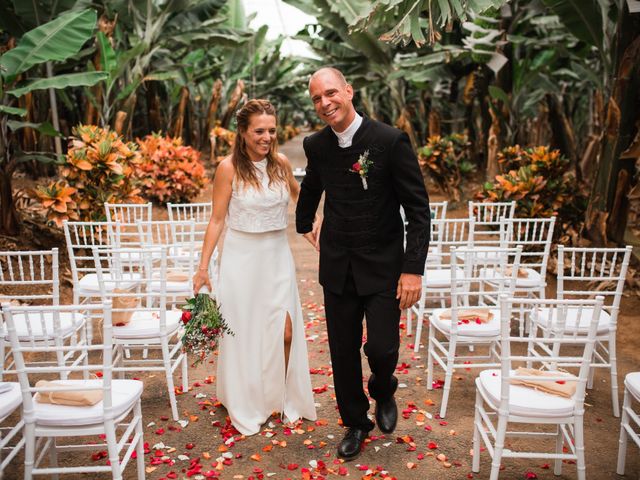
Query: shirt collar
[[345, 138]]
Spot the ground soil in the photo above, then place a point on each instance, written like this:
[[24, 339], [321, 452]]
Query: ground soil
[[281, 452]]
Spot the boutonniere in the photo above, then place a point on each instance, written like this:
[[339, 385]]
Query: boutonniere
[[362, 166]]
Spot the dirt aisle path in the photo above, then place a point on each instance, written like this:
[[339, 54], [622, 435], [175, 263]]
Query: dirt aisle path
[[204, 445]]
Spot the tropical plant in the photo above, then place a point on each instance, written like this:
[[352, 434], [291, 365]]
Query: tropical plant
[[56, 40], [445, 160], [57, 200], [169, 171], [540, 182], [100, 168]]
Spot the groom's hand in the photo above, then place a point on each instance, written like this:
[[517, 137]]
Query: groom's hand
[[313, 237], [409, 289]]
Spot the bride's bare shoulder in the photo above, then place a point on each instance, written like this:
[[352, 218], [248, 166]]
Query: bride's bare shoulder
[[225, 168]]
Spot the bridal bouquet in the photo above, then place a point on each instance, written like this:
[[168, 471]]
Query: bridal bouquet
[[203, 326]]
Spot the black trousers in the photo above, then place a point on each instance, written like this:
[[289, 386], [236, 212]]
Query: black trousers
[[344, 324]]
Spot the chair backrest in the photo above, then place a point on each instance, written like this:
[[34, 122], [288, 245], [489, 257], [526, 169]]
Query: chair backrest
[[438, 210], [125, 277], [30, 276], [587, 272], [535, 235], [563, 349], [81, 237], [486, 274], [200, 213], [490, 213], [32, 344], [446, 234], [128, 215]]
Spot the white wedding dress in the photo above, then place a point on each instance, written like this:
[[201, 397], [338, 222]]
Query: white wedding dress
[[257, 288]]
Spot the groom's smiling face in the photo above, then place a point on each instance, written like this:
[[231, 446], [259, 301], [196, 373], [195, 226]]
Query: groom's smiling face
[[332, 98]]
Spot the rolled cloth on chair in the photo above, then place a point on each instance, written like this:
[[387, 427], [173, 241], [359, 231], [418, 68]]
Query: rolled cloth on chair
[[470, 314], [121, 318], [74, 398], [562, 388], [522, 272]]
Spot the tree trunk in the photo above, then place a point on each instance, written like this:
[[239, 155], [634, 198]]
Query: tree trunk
[[493, 147], [214, 104], [236, 96], [120, 121], [153, 107], [178, 125], [562, 134], [623, 114]]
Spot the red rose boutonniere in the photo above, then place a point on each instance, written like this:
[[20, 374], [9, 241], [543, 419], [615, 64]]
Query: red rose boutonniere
[[361, 167]]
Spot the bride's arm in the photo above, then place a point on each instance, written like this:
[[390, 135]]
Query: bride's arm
[[294, 186], [221, 196]]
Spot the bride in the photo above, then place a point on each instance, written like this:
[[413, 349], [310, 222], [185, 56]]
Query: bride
[[263, 368]]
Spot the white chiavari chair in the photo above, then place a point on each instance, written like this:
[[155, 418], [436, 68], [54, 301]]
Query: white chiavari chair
[[630, 421], [11, 442], [501, 399], [97, 407], [462, 324], [28, 277], [127, 216], [436, 281], [142, 320], [489, 222], [585, 273]]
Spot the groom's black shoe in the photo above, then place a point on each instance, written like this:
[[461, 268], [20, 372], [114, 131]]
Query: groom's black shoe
[[387, 415], [352, 443]]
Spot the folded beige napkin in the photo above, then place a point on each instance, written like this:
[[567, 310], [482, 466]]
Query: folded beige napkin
[[174, 276], [561, 388], [469, 314], [75, 398], [120, 319], [522, 272]]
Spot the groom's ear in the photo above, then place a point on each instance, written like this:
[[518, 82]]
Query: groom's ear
[[349, 90]]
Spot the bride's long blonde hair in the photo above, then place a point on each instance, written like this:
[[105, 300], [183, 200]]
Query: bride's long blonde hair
[[244, 168]]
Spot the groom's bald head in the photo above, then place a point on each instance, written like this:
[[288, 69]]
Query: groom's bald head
[[329, 71]]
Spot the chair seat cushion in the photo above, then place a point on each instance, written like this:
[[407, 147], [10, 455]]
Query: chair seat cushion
[[532, 280], [440, 278], [69, 323], [543, 315], [171, 287], [89, 283], [146, 324], [632, 382], [524, 401], [471, 329], [124, 394], [10, 400]]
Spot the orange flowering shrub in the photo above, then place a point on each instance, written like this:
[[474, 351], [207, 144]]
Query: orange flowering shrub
[[286, 132], [446, 161], [170, 171], [538, 179], [99, 168], [222, 141]]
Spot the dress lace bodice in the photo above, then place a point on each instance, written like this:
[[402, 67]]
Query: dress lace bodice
[[253, 210]]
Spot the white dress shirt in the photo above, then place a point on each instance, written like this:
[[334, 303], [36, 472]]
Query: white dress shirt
[[345, 138]]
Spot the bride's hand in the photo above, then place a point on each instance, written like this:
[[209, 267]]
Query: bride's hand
[[313, 237], [200, 279]]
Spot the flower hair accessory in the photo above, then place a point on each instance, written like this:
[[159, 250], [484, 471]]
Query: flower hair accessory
[[361, 167]]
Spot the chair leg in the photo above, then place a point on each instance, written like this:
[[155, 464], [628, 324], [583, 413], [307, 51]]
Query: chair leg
[[2, 359], [419, 323], [185, 372], [557, 464], [29, 449], [622, 441], [448, 376], [112, 449], [501, 433], [169, 375], [430, 358], [613, 362], [578, 439], [137, 411], [475, 465], [53, 457], [408, 315]]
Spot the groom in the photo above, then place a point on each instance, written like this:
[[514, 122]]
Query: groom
[[367, 170]]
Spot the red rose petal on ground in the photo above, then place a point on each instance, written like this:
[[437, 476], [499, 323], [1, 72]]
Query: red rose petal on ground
[[292, 466]]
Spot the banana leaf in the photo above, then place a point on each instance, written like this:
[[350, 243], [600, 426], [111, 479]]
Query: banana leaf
[[61, 81]]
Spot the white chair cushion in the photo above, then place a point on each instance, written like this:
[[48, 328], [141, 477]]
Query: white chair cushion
[[89, 283], [471, 329], [10, 400], [124, 394], [171, 287], [532, 280], [146, 324], [440, 278], [69, 323], [632, 382], [542, 315], [524, 401]]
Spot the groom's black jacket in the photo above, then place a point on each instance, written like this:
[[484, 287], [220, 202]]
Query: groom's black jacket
[[363, 228]]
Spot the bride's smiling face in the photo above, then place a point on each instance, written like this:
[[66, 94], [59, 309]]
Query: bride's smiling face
[[260, 136]]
